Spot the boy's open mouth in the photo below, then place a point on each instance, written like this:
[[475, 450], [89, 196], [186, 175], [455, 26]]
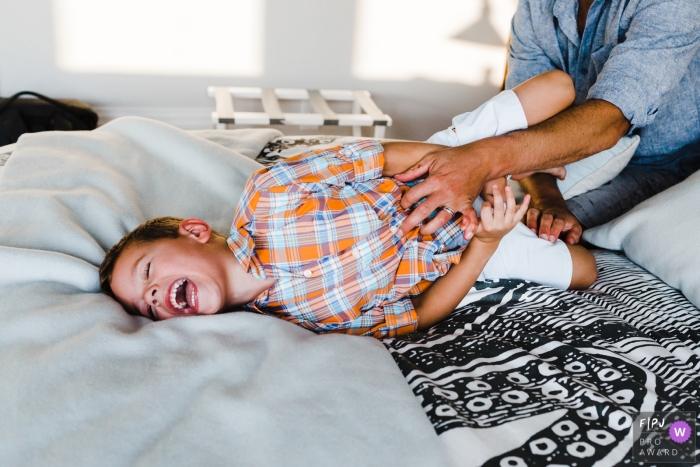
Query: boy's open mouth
[[181, 297]]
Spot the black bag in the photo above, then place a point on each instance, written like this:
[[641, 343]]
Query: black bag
[[18, 116]]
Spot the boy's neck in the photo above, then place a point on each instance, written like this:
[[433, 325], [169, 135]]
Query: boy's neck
[[243, 287]]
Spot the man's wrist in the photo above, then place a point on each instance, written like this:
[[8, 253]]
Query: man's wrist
[[495, 155]]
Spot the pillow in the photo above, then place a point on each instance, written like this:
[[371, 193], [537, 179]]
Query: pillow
[[660, 235], [598, 169]]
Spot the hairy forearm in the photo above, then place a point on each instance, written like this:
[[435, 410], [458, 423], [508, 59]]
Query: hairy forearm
[[433, 305], [569, 136]]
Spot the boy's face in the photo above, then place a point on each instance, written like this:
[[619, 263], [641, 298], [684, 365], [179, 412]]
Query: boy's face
[[172, 277]]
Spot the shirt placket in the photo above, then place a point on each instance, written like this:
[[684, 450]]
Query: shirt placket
[[586, 45], [579, 49]]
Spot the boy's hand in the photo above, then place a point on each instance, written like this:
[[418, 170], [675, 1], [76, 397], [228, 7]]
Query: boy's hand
[[496, 221], [487, 191]]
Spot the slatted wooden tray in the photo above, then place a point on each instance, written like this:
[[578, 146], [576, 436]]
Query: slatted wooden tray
[[318, 99]]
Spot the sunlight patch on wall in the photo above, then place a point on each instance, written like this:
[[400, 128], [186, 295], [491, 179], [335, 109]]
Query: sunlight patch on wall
[[460, 41], [161, 37]]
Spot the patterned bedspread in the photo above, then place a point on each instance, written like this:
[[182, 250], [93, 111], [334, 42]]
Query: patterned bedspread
[[524, 374], [530, 375]]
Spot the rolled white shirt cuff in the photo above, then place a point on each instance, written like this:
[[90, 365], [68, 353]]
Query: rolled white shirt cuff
[[499, 115]]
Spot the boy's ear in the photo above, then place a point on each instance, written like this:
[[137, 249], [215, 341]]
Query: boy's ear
[[196, 229]]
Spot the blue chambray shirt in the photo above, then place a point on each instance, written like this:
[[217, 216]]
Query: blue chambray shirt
[[641, 55]]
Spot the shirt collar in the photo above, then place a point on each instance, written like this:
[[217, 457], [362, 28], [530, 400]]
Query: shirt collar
[[242, 246], [566, 12]]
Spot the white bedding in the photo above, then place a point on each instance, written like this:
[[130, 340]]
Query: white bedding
[[83, 383]]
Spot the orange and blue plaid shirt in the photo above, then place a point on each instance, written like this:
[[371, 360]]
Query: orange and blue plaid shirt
[[323, 224]]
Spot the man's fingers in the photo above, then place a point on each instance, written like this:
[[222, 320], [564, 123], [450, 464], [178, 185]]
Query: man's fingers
[[420, 213], [441, 218], [418, 192], [418, 170]]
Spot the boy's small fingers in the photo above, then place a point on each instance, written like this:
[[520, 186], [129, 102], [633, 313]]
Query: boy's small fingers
[[486, 211], [497, 201], [511, 205], [522, 209]]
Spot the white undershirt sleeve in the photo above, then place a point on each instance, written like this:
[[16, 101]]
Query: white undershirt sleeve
[[499, 115]]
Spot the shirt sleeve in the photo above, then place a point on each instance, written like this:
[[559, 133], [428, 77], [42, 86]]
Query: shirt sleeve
[[499, 115], [662, 39], [311, 171], [389, 320], [399, 318], [525, 57]]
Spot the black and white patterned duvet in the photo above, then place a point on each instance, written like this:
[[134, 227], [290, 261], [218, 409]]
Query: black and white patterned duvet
[[527, 375], [578, 365]]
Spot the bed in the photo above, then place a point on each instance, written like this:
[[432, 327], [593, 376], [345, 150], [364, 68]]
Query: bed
[[520, 374]]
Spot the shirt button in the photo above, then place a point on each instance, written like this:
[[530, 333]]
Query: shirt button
[[307, 273], [383, 333]]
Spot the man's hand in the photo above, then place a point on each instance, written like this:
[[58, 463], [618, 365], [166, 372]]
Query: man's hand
[[548, 216], [455, 178]]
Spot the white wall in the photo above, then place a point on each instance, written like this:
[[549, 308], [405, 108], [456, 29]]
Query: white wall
[[423, 62]]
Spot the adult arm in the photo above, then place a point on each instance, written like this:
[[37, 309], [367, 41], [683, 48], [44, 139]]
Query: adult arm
[[526, 58], [661, 40], [586, 129], [456, 175]]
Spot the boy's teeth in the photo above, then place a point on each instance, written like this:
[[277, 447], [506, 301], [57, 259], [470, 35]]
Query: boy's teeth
[[173, 295]]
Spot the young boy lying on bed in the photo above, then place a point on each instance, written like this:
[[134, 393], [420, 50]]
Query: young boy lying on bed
[[316, 241]]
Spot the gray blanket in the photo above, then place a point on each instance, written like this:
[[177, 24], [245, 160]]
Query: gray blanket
[[83, 383]]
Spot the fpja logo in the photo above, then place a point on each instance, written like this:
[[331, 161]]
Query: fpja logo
[[679, 431]]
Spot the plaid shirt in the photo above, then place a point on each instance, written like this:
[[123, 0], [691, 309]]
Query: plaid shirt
[[323, 223]]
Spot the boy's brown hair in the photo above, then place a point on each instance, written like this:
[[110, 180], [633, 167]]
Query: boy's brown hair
[[156, 229]]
